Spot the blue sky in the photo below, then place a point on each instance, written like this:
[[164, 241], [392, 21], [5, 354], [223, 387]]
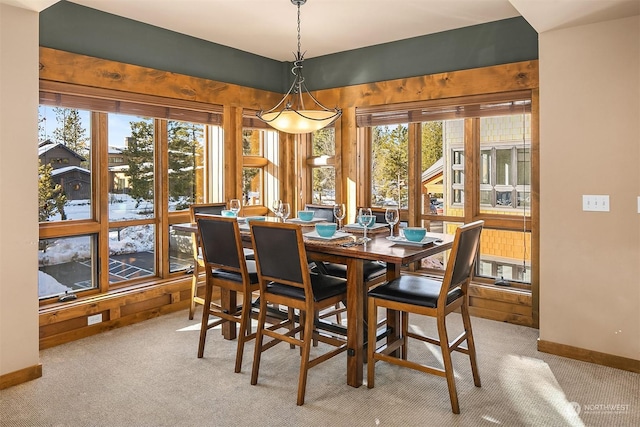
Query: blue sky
[[119, 127]]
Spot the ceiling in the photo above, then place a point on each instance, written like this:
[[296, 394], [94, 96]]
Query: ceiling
[[268, 27]]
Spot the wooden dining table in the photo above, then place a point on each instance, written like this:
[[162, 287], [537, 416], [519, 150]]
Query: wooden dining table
[[379, 248]]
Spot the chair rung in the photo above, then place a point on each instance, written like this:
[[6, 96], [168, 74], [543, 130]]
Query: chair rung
[[330, 327], [389, 348], [411, 365], [326, 356], [423, 338], [455, 344], [328, 339]]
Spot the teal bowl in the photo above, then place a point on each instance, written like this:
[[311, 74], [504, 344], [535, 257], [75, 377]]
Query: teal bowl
[[256, 218], [414, 234], [227, 213], [326, 229], [306, 215]]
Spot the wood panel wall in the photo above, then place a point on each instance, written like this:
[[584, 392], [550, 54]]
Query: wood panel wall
[[61, 323]]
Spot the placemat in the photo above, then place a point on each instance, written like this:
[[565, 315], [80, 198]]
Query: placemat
[[332, 242], [360, 231]]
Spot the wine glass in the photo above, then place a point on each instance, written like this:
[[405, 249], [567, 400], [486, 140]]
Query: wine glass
[[365, 219], [392, 216], [276, 208], [285, 211], [339, 212], [234, 206]]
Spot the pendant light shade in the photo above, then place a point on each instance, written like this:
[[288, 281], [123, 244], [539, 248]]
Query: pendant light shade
[[290, 114]]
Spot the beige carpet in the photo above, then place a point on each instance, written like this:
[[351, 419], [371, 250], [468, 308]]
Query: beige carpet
[[148, 375]]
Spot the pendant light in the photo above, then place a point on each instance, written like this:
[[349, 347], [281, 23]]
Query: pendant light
[[290, 115]]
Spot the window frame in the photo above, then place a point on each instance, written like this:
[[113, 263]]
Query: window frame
[[101, 102]]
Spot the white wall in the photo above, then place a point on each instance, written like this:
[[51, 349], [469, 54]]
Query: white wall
[[590, 144], [18, 189]]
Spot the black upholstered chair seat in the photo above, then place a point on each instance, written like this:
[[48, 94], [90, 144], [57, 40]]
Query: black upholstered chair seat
[[236, 276], [371, 270], [414, 290], [323, 287]]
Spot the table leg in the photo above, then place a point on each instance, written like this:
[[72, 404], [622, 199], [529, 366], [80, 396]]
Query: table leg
[[393, 319], [355, 319], [228, 302]]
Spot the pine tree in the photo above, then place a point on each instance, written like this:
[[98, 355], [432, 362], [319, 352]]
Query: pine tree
[[139, 157], [185, 159], [323, 178], [431, 143], [51, 198], [70, 131], [42, 121], [390, 164]]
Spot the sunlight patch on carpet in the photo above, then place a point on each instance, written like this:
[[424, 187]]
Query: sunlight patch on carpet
[[535, 393]]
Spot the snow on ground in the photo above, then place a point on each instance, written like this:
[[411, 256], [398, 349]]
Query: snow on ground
[[47, 285], [123, 241]]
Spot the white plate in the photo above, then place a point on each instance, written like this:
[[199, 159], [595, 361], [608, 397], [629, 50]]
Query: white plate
[[302, 221], [403, 241], [373, 227], [338, 235]]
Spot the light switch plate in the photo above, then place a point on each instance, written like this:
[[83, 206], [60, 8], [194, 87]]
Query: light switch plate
[[595, 203]]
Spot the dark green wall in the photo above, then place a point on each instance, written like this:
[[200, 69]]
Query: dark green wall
[[74, 28], [500, 42], [78, 29]]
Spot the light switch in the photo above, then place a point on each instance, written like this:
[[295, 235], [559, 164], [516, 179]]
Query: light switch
[[595, 203]]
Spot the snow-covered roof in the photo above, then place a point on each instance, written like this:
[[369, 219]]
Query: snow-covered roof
[[43, 148], [434, 169], [66, 169]]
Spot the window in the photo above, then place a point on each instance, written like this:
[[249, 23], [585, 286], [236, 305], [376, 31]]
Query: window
[[505, 162], [323, 174], [389, 165], [186, 164], [66, 265], [475, 164], [133, 196], [252, 170], [64, 153], [505, 255], [139, 192]]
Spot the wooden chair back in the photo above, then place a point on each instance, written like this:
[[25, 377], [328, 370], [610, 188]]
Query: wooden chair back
[[280, 254], [379, 213], [322, 211], [206, 208], [464, 251], [221, 243]]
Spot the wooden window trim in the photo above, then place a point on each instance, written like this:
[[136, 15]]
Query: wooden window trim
[[113, 101]]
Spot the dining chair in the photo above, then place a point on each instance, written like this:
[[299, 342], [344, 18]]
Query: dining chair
[[285, 280], [326, 213], [198, 262], [321, 211], [379, 213], [374, 272], [429, 297], [226, 267]]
